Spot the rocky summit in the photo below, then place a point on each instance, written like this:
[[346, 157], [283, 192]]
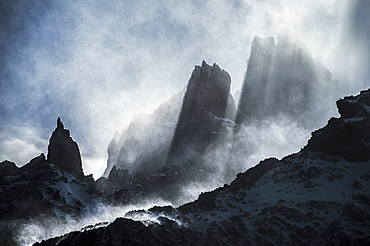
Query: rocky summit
[[204, 108], [64, 152], [317, 196]]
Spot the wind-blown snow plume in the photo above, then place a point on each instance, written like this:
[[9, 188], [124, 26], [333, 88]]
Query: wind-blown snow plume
[[44, 228]]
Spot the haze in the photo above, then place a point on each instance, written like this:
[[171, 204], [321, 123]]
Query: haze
[[96, 64]]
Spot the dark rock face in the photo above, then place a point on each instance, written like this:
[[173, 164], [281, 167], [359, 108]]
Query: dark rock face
[[283, 80], [8, 167], [41, 190], [203, 109], [64, 152], [205, 122], [120, 232], [127, 232], [249, 178], [349, 135], [115, 186]]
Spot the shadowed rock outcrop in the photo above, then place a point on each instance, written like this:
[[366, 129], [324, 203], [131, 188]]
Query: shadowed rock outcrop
[[64, 152], [204, 108], [349, 135]]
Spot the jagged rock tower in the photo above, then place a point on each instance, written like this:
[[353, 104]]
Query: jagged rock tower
[[64, 152], [205, 105], [283, 80]]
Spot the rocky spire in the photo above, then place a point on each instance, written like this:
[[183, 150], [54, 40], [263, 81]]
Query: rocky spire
[[64, 152], [204, 106], [59, 124]]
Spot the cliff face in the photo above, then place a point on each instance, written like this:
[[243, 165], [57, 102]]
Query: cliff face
[[64, 152], [283, 80], [203, 109]]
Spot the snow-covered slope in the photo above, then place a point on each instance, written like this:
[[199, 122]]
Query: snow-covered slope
[[309, 198]]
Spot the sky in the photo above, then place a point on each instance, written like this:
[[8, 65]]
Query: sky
[[95, 64]]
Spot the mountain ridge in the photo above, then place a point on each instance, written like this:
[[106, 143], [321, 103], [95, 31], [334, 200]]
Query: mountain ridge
[[309, 197]]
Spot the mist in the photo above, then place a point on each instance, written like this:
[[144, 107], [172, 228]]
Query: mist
[[40, 229], [97, 64]]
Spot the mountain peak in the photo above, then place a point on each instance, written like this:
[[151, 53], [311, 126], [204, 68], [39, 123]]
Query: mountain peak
[[205, 65], [204, 104], [64, 152], [60, 124]]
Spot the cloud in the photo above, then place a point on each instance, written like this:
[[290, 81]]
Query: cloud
[[21, 143], [18, 150], [94, 166]]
